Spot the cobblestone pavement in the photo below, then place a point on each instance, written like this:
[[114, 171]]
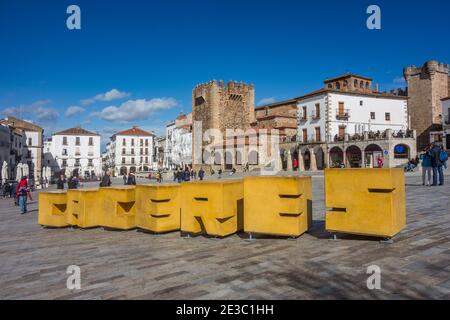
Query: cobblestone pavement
[[136, 265]]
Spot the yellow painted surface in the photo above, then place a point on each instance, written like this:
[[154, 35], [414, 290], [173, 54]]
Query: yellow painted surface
[[214, 207], [277, 205], [365, 201], [53, 209], [119, 205], [158, 207], [85, 208]]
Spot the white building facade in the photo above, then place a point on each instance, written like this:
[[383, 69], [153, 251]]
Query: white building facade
[[131, 151], [75, 151], [179, 142], [348, 123]]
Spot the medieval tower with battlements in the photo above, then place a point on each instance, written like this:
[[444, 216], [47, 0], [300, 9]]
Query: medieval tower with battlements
[[427, 85], [220, 106]]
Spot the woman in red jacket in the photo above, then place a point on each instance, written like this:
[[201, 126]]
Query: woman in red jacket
[[22, 194]]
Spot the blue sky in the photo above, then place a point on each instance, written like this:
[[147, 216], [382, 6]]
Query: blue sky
[[135, 62]]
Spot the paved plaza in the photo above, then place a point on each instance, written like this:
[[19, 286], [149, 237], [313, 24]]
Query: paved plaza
[[137, 265]]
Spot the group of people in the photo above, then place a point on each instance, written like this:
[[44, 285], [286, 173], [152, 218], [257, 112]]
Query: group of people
[[72, 183], [129, 179], [433, 160], [188, 174], [20, 191]]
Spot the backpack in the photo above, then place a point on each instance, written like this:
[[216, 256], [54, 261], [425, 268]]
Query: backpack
[[443, 156]]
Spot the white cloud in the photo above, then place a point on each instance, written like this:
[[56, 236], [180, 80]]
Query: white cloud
[[37, 110], [111, 95], [73, 110], [266, 101], [132, 110]]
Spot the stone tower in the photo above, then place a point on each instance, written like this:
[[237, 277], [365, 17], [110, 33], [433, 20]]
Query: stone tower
[[222, 107], [427, 85]]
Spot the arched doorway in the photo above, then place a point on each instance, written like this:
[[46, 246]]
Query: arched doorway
[[146, 169], [372, 153], [253, 157], [401, 151], [123, 171], [318, 152], [354, 157], [336, 157], [307, 159], [283, 159], [228, 160], [133, 169], [75, 172], [295, 164]]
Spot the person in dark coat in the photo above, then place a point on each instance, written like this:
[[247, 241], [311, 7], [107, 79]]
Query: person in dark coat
[[201, 174], [106, 180], [60, 182], [437, 165], [131, 179]]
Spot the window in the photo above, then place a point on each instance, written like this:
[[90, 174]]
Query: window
[[345, 83], [361, 103], [64, 152], [64, 141], [367, 85], [141, 159], [355, 83], [341, 109], [132, 149], [330, 86], [124, 143], [305, 135], [146, 142], [372, 115], [318, 137], [91, 141], [142, 151], [132, 160], [77, 162], [29, 154], [317, 110], [341, 131], [338, 85], [146, 150], [123, 160], [77, 141], [30, 143], [361, 84], [64, 163], [123, 151], [146, 159], [304, 113], [387, 116], [132, 142], [90, 163]]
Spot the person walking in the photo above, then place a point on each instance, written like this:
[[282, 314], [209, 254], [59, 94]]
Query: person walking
[[106, 180], [131, 179], [125, 179], [380, 162], [425, 158], [437, 165], [201, 174], [60, 182], [22, 194]]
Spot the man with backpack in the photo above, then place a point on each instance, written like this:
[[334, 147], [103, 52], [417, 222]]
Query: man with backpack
[[22, 194], [438, 160]]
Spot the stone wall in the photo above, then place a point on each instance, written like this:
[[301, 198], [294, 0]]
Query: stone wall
[[427, 85]]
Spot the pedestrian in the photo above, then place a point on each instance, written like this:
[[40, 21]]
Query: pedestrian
[[201, 174], [13, 192], [125, 179], [380, 162], [187, 174], [22, 194], [295, 164], [426, 167], [106, 180], [220, 173], [131, 179], [60, 182], [437, 163]]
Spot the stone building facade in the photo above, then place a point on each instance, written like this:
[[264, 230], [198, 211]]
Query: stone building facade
[[220, 106], [427, 85], [446, 122]]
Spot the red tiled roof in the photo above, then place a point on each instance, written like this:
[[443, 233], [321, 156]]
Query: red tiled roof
[[76, 132], [135, 131]]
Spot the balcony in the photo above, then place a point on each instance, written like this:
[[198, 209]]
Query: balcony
[[342, 114]]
